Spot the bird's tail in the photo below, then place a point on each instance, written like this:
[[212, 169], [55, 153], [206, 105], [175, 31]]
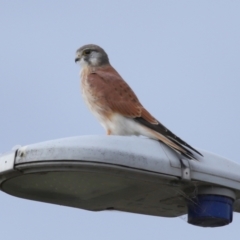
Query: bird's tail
[[164, 135]]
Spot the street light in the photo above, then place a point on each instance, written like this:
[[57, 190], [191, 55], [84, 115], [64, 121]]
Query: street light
[[128, 174]]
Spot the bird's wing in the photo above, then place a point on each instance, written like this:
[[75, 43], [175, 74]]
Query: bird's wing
[[114, 92], [119, 97]]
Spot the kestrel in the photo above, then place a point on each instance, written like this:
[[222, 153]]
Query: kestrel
[[115, 104]]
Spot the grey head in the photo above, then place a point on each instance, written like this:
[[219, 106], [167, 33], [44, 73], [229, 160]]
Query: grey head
[[92, 55]]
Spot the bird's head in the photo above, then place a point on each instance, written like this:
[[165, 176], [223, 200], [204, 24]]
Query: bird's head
[[91, 55]]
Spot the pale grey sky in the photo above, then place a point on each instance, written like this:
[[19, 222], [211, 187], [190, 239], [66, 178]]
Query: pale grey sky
[[181, 58]]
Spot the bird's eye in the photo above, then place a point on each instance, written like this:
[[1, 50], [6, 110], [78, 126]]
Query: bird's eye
[[86, 52]]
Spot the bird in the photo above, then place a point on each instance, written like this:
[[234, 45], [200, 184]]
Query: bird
[[116, 106]]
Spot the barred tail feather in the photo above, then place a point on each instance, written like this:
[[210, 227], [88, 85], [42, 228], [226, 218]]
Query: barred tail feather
[[166, 136]]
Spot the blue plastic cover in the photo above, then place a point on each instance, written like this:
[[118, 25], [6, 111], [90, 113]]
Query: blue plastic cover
[[210, 211]]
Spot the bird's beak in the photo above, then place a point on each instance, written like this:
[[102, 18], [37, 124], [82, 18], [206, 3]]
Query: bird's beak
[[77, 59]]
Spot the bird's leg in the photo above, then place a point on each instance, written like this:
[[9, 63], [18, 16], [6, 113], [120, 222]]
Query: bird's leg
[[109, 132]]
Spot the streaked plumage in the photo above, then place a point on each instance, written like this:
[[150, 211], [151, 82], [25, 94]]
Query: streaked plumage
[[116, 106]]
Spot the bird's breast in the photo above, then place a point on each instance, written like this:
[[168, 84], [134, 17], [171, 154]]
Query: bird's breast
[[93, 102]]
